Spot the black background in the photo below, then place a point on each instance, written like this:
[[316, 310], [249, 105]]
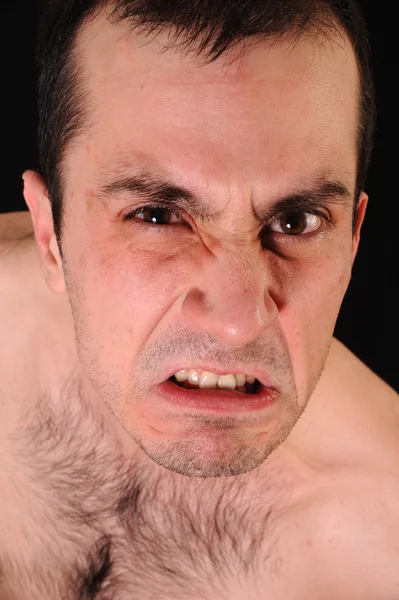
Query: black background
[[368, 322]]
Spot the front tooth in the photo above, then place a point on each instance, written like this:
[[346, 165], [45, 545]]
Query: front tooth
[[227, 381], [241, 379], [208, 380], [182, 375], [193, 377], [250, 379]]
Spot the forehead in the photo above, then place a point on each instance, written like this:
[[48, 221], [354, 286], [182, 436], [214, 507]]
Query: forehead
[[277, 112]]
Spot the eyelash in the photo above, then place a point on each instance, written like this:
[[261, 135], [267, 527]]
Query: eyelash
[[303, 238], [131, 215], [298, 238]]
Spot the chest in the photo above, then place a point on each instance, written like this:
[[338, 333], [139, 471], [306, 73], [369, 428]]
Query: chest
[[79, 522], [240, 554], [202, 550], [207, 549], [68, 533]]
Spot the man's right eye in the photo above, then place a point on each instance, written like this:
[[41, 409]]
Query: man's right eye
[[155, 215]]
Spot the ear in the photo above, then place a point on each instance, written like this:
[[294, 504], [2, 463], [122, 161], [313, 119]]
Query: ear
[[361, 211], [36, 197]]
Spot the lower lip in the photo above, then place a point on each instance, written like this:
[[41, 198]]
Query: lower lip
[[221, 401]]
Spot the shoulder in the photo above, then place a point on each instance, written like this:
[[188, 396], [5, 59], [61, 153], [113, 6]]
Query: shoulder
[[358, 377], [357, 515], [15, 224], [16, 235], [36, 327], [26, 313], [372, 400], [19, 265], [369, 409], [356, 525], [348, 377], [352, 416], [19, 271]]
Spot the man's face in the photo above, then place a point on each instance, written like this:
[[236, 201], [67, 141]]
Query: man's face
[[226, 292]]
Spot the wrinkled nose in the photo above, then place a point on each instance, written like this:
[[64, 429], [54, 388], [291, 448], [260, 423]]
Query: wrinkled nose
[[232, 304]]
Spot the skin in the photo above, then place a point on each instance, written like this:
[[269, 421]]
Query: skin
[[295, 525], [239, 137], [84, 438]]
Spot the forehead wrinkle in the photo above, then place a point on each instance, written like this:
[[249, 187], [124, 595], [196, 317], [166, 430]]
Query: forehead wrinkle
[[181, 112], [97, 27], [151, 182], [154, 183]]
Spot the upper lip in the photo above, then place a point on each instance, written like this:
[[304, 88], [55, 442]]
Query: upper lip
[[260, 374]]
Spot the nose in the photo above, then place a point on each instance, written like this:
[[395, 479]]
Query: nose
[[233, 301]]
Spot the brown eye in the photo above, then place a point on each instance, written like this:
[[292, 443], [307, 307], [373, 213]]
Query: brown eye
[[296, 223], [158, 215]]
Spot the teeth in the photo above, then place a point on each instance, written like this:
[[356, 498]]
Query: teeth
[[227, 381], [182, 375], [208, 380], [241, 379], [205, 379], [193, 377]]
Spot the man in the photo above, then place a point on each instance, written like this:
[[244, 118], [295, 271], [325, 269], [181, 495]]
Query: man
[[176, 419]]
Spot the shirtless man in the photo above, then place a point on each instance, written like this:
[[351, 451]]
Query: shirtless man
[[211, 215]]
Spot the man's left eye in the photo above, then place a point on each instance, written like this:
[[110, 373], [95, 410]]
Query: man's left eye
[[296, 223]]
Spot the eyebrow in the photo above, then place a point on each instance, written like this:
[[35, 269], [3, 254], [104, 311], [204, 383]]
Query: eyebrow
[[153, 187]]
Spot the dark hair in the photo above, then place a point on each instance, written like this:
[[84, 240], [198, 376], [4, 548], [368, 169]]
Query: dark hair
[[212, 27]]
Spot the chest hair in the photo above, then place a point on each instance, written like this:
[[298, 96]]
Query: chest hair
[[96, 525]]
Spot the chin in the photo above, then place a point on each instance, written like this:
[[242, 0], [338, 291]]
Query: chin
[[215, 453]]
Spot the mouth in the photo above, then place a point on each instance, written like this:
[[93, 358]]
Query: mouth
[[247, 388], [247, 398]]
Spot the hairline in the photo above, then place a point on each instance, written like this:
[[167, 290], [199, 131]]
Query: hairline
[[80, 93]]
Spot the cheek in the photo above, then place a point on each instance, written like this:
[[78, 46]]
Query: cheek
[[308, 315], [124, 293]]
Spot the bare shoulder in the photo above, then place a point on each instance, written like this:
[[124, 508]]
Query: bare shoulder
[[19, 272], [19, 265], [15, 225], [357, 512], [368, 405], [358, 380], [30, 317], [34, 322], [16, 234], [354, 420]]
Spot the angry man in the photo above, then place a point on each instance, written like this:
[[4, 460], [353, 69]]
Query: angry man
[[177, 421]]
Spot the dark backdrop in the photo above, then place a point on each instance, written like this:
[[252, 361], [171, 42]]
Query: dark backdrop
[[368, 322]]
